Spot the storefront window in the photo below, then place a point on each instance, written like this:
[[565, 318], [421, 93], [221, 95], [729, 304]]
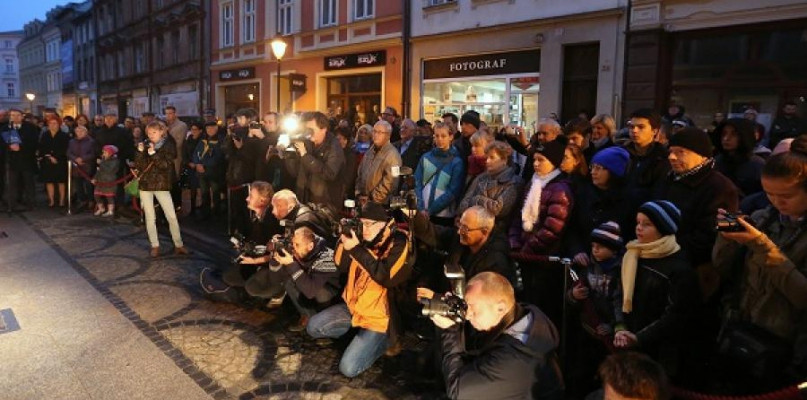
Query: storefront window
[[355, 98], [241, 96], [499, 101]]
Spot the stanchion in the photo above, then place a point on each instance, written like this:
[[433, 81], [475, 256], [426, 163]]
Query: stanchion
[[69, 187]]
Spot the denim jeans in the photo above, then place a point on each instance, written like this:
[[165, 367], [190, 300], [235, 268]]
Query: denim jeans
[[210, 188], [365, 348], [164, 198]]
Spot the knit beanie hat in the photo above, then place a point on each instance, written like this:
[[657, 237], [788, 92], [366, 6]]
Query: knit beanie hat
[[664, 215], [554, 150], [111, 149], [608, 235], [695, 140], [615, 159], [374, 211]]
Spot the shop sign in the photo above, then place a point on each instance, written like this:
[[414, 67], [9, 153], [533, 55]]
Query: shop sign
[[512, 62], [358, 60], [237, 74], [297, 83]]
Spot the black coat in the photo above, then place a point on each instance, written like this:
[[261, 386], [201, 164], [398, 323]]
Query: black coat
[[594, 206], [698, 196], [55, 146], [240, 162], [494, 256], [412, 155], [25, 158], [516, 364], [646, 171], [319, 173]]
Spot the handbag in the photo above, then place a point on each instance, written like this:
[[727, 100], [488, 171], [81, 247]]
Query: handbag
[[133, 187]]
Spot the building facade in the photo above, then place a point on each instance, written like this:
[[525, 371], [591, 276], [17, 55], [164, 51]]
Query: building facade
[[150, 54], [344, 57], [516, 61], [718, 56], [10, 94], [31, 53]]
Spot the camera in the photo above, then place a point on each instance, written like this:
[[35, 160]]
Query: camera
[[246, 248], [729, 223], [283, 243], [406, 198], [351, 220], [255, 125], [449, 305]]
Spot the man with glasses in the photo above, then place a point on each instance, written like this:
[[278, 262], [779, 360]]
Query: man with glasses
[[377, 271], [391, 116], [479, 248], [375, 180], [410, 146]]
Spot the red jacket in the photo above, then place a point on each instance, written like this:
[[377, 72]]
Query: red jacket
[[557, 201]]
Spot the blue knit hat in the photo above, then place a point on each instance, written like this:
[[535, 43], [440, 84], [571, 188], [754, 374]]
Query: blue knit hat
[[664, 215], [615, 159], [609, 235]]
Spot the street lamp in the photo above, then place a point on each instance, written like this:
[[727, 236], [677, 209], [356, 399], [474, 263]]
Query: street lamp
[[279, 49], [30, 97]]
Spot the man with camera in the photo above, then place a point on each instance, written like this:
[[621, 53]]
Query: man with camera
[[319, 165], [286, 206], [510, 351], [375, 180], [242, 161], [377, 269], [305, 271]]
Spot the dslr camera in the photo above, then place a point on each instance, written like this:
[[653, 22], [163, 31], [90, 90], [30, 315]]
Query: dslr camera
[[406, 197], [450, 305], [246, 248], [730, 223], [351, 222], [283, 243]]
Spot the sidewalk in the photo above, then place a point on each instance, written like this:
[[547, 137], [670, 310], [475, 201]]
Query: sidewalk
[[72, 343]]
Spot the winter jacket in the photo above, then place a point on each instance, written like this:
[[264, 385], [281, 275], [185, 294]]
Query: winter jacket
[[439, 179], [315, 219], [493, 256], [604, 290], [498, 193], [117, 136], [770, 275], [645, 171], [319, 173], [349, 173], [190, 148], [27, 136], [666, 300], [210, 155], [594, 206], [374, 178], [698, 196], [557, 203], [783, 128], [84, 149], [372, 276], [178, 131], [519, 363], [316, 272], [413, 152], [741, 166], [160, 176], [107, 172]]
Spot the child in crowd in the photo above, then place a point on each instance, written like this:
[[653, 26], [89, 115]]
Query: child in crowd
[[597, 297], [105, 188]]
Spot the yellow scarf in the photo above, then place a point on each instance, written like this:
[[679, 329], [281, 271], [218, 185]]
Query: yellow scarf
[[656, 249]]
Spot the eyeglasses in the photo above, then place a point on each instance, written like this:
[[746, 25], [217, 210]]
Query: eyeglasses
[[464, 229]]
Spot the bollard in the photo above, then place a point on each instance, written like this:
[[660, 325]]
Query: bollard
[[69, 187]]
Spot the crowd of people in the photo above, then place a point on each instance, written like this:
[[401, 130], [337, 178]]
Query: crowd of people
[[687, 245]]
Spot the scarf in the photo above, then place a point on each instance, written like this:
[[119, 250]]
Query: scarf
[[656, 249], [159, 144], [476, 165], [707, 163], [532, 205], [206, 143]]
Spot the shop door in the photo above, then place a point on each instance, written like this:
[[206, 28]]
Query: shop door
[[355, 98], [580, 66], [237, 97]]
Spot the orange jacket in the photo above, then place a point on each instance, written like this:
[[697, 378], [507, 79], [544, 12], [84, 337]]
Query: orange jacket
[[371, 273]]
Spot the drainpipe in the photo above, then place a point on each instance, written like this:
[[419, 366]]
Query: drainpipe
[[619, 122], [406, 67]]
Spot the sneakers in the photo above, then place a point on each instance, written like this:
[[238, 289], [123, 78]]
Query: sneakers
[[109, 213], [181, 251], [300, 325], [98, 212]]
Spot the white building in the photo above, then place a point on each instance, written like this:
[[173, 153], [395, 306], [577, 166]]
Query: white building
[[31, 53], [10, 66], [516, 61]]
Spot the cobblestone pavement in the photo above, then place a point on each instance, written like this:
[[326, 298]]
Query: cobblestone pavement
[[231, 351]]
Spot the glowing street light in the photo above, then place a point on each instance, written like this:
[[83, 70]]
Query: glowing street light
[[30, 97], [278, 49]]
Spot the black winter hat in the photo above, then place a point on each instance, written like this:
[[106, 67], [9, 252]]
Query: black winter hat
[[374, 211], [695, 140], [554, 150]]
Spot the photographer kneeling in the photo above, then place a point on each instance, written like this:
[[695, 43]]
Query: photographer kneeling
[[510, 352], [306, 272], [375, 262]]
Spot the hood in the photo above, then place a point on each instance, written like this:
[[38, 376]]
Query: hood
[[745, 132], [540, 336]]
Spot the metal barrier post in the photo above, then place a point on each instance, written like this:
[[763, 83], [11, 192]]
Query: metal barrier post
[[229, 211], [69, 187]]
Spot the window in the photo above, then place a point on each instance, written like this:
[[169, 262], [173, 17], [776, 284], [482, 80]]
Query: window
[[91, 69], [11, 90], [327, 12], [227, 24], [7, 44], [139, 58], [9, 65], [175, 43], [121, 64], [430, 3], [248, 23], [363, 9], [160, 52], [193, 42], [284, 8], [52, 51]]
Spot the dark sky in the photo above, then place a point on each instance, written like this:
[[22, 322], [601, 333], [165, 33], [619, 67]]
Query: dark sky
[[17, 13]]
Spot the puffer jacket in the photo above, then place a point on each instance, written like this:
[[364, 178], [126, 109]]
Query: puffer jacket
[[497, 192], [772, 277], [374, 178], [161, 175], [372, 276], [557, 202]]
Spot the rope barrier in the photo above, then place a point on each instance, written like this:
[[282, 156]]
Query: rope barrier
[[103, 184], [794, 392]]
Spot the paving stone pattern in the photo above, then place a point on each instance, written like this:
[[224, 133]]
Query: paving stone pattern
[[231, 351]]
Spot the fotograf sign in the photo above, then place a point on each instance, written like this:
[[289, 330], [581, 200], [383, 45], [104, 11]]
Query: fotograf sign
[[511, 62], [357, 60], [237, 74]]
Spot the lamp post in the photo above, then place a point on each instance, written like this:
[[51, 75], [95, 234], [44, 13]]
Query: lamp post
[[30, 97], [278, 49]]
